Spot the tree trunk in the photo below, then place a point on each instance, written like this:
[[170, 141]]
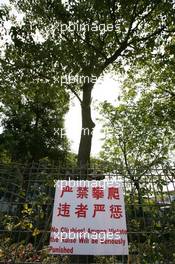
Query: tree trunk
[[85, 148], [87, 127]]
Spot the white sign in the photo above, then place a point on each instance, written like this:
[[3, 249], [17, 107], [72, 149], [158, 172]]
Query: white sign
[[88, 219]]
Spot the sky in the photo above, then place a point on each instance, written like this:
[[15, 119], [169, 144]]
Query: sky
[[4, 2]]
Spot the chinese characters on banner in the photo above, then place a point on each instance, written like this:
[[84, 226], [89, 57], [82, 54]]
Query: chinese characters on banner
[[88, 219]]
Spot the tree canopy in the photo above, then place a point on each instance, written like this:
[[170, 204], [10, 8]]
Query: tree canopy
[[32, 110], [86, 38], [142, 130]]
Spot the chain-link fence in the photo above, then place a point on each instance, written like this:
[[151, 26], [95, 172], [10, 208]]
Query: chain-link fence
[[26, 203]]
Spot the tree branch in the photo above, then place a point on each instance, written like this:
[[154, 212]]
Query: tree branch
[[75, 93], [125, 158], [116, 54], [149, 36], [91, 46], [169, 92], [124, 44], [145, 16], [113, 18]]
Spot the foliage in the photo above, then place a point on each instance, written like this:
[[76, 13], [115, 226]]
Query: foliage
[[32, 110], [137, 28], [135, 139], [142, 125], [26, 217], [139, 138], [26, 253], [154, 81]]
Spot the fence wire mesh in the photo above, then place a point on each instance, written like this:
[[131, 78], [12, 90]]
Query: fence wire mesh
[[26, 203]]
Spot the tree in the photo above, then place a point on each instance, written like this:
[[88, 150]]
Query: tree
[[32, 110], [136, 141], [139, 141], [155, 79], [135, 28]]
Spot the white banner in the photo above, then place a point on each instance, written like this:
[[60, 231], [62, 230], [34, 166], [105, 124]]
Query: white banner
[[89, 219]]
